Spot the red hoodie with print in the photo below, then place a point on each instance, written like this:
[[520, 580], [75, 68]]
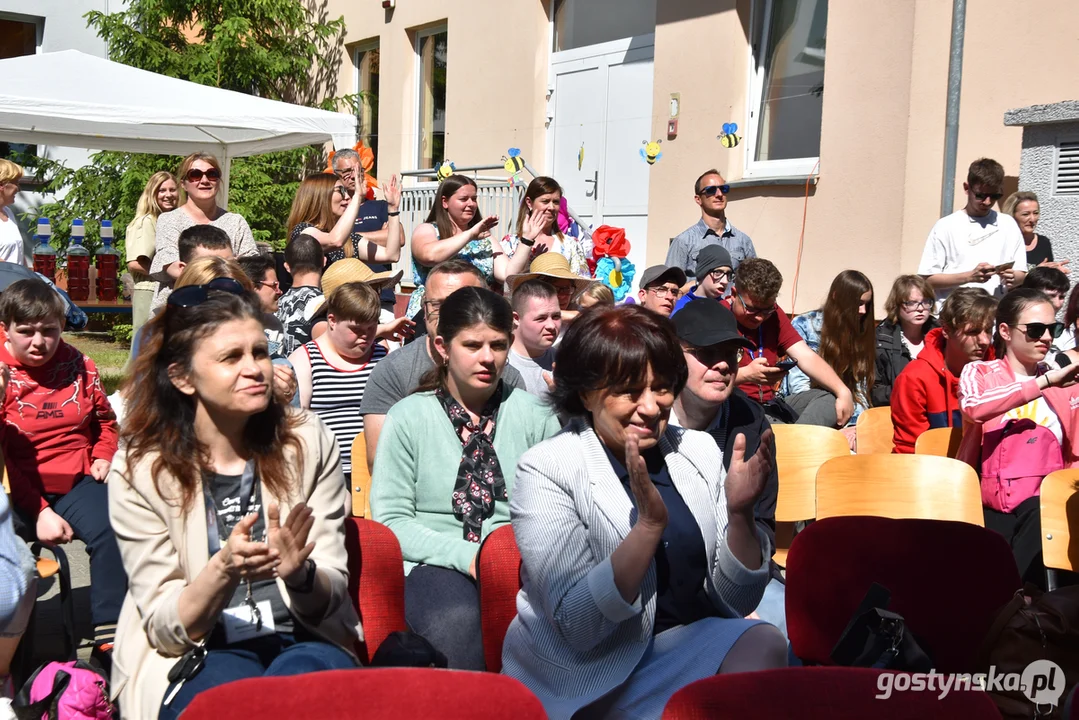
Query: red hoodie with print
[[925, 395], [56, 422]]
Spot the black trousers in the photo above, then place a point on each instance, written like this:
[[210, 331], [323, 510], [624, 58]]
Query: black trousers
[[1022, 528]]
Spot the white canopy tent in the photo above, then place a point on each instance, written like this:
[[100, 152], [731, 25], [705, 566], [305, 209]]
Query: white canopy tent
[[73, 99]]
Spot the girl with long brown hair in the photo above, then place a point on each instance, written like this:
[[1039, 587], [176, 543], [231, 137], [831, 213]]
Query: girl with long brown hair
[[843, 333], [326, 209], [537, 228], [456, 228], [229, 511]]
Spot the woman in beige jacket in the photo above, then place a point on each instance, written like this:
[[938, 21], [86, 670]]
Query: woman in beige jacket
[[229, 510]]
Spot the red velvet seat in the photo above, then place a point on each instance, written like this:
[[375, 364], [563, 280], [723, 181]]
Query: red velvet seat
[[376, 581], [817, 692], [375, 693], [948, 580], [499, 577]]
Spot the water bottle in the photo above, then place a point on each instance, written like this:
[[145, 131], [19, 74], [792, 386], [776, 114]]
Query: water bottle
[[107, 260], [78, 264], [44, 253]]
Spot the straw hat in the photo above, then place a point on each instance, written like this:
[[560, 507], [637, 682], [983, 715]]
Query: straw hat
[[351, 270], [549, 265]]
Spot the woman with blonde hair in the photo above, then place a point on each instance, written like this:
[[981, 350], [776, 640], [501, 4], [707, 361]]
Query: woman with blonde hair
[[901, 335], [12, 248], [326, 209], [1024, 207], [160, 195], [200, 178], [595, 294], [537, 227]]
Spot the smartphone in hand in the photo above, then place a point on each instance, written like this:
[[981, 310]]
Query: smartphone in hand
[[787, 365]]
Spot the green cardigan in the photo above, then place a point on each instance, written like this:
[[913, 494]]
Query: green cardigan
[[416, 470]]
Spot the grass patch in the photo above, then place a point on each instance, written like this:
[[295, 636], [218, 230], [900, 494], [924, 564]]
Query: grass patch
[[109, 356]]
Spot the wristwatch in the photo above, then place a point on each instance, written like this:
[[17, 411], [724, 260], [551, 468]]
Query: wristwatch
[[528, 243], [395, 213], [308, 581]]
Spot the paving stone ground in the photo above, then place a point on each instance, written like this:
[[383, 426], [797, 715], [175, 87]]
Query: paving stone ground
[[47, 631]]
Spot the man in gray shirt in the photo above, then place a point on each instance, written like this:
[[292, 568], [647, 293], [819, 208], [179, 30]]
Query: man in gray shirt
[[710, 192], [399, 373], [538, 318]]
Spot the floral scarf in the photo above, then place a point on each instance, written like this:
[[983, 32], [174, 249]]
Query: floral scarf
[[479, 478]]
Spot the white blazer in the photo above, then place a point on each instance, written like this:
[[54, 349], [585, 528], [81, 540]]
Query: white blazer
[[574, 638]]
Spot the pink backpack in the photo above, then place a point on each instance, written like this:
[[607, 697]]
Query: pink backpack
[[1016, 457], [64, 691]]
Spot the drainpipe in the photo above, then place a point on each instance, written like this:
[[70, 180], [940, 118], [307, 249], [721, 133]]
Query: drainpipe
[[951, 122]]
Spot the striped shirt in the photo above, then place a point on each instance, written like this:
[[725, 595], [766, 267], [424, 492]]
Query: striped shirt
[[336, 396]]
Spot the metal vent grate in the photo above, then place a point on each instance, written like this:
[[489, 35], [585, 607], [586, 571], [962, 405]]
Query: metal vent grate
[[1067, 170]]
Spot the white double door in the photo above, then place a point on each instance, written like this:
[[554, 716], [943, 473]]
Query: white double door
[[602, 114]]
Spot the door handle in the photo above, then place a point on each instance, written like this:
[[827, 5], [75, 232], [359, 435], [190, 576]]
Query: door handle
[[595, 184]]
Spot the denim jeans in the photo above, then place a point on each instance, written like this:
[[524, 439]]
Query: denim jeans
[[443, 605], [270, 656]]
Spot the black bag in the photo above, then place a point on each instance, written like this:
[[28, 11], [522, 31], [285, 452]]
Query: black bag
[[408, 649], [778, 409], [878, 638]]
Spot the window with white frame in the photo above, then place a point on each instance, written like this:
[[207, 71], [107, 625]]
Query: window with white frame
[[787, 87], [18, 37], [367, 73], [431, 96]]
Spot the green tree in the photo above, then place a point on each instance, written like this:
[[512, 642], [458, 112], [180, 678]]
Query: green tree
[[277, 49]]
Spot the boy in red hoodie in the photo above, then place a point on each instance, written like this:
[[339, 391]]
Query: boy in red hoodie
[[59, 435], [926, 393]]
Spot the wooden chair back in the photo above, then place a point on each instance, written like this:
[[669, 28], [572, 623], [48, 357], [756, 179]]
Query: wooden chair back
[[874, 431], [943, 442], [361, 479], [900, 486], [1060, 517], [800, 451]]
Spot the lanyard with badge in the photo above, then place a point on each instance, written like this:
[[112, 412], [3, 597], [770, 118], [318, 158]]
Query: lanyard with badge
[[251, 619]]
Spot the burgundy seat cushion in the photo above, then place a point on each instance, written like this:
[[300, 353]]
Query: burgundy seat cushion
[[376, 581], [948, 580], [499, 571], [397, 693], [817, 692]]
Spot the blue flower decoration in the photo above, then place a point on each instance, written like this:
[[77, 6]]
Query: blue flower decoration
[[606, 274]]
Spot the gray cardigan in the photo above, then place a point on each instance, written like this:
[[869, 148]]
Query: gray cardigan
[[574, 638]]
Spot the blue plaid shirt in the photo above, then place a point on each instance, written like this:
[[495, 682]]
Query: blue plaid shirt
[[684, 248]]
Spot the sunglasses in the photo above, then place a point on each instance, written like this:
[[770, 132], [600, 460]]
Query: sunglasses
[[196, 175], [981, 197], [715, 354], [194, 295], [1036, 331], [713, 189]]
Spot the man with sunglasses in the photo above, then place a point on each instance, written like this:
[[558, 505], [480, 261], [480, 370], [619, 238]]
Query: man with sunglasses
[[976, 246], [710, 402], [762, 322], [373, 217], [710, 193], [714, 273]]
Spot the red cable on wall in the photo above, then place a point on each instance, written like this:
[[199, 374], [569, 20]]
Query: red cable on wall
[[801, 239]]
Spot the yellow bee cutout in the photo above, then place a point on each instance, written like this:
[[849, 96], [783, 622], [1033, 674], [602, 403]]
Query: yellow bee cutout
[[445, 170], [650, 152], [514, 163], [729, 138]]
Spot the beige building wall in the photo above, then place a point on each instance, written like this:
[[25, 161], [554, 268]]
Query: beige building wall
[[496, 75]]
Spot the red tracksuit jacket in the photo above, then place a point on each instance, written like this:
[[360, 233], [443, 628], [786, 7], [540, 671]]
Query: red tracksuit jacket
[[925, 395], [56, 422]]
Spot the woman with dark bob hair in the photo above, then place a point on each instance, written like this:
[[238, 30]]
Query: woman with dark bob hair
[[640, 555], [229, 510]]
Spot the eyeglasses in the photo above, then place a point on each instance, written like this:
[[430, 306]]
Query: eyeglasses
[[1036, 330], [195, 175], [432, 307], [711, 190], [275, 285], [194, 295], [750, 310], [342, 191], [662, 291], [715, 354], [346, 174], [720, 275], [917, 304], [564, 289], [981, 197]]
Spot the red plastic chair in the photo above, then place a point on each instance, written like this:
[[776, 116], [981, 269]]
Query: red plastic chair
[[948, 580], [825, 693], [376, 581], [397, 693], [498, 571]]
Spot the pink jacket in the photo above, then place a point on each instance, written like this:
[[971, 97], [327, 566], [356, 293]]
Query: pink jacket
[[988, 390]]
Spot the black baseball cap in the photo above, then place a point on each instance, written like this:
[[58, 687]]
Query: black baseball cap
[[703, 321]]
